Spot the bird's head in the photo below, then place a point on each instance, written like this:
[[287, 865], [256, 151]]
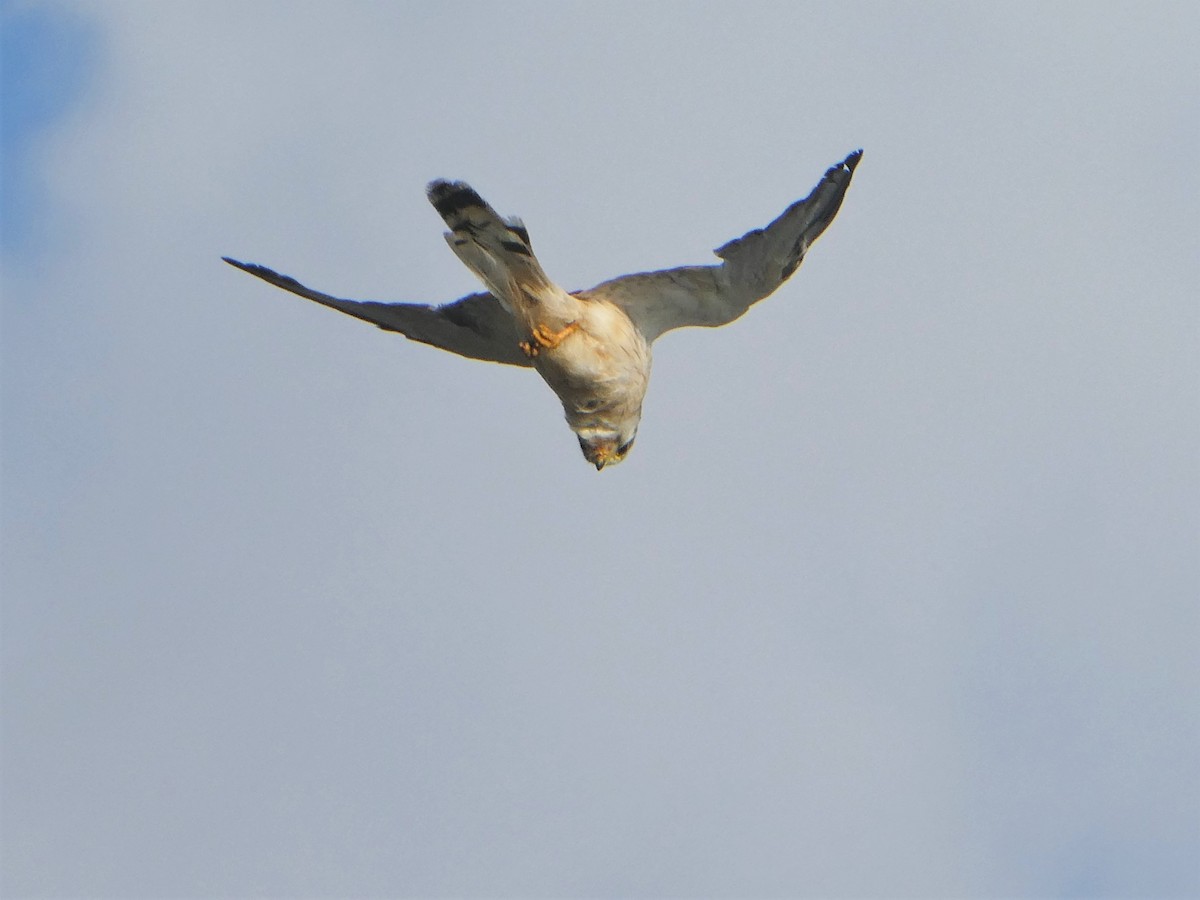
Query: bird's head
[[605, 447]]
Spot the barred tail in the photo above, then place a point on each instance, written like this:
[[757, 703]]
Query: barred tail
[[497, 250]]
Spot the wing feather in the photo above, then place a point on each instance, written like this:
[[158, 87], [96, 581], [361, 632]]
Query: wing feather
[[752, 268], [476, 326]]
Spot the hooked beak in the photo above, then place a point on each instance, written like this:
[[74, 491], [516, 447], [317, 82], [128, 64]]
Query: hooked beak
[[600, 456]]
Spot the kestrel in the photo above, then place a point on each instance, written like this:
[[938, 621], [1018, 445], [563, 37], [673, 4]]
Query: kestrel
[[592, 347]]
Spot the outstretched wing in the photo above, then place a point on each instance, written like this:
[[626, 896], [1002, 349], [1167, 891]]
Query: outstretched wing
[[476, 326], [753, 266]]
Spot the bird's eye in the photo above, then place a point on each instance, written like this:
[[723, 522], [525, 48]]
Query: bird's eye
[[625, 447]]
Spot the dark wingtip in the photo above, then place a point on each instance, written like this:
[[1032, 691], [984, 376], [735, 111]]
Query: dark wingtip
[[252, 268], [287, 282], [847, 165]]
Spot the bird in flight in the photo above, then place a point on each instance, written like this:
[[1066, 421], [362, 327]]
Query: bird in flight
[[591, 347]]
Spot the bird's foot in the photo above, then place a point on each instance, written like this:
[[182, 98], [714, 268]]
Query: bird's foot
[[542, 338]]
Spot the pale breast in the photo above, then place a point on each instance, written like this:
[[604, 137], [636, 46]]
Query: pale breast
[[601, 369]]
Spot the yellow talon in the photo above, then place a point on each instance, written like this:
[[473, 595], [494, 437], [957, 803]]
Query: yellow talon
[[548, 339]]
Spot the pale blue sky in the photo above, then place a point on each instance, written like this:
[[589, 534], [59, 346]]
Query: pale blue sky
[[44, 60], [897, 595]]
